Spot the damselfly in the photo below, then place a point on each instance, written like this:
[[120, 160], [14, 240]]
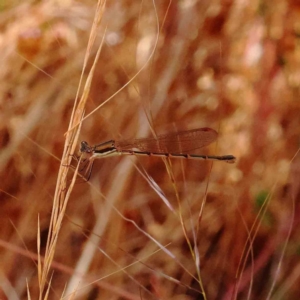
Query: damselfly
[[177, 145]]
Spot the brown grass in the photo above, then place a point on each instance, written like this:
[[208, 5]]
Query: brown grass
[[145, 228]]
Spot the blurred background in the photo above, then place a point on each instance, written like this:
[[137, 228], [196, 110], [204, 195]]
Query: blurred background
[[233, 66]]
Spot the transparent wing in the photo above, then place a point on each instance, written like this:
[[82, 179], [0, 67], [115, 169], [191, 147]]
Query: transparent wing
[[180, 142]]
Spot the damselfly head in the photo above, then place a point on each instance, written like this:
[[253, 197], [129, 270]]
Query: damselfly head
[[85, 148]]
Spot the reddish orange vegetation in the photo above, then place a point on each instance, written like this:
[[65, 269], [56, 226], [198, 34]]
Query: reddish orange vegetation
[[232, 66]]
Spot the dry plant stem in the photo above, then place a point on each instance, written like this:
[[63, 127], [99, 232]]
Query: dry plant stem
[[28, 291], [96, 23], [168, 165], [251, 236], [72, 285], [286, 240], [133, 78], [123, 269], [62, 192], [102, 222], [295, 274], [119, 291], [68, 270], [156, 188], [88, 253], [234, 289], [166, 79], [195, 253]]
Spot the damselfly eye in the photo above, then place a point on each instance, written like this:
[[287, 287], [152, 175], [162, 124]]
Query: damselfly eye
[[84, 147]]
